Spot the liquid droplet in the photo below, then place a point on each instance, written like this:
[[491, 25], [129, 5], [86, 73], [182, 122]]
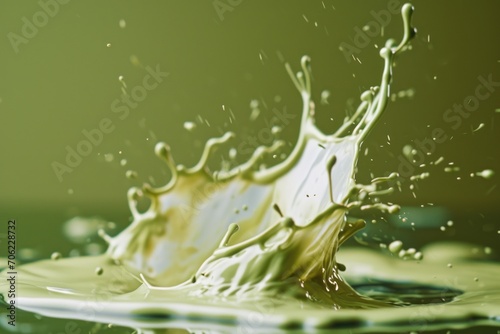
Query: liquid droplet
[[189, 126], [487, 174], [395, 246]]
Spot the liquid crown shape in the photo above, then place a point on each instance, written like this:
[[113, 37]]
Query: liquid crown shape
[[311, 191]]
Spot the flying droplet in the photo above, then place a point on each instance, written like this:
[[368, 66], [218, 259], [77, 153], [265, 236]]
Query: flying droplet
[[395, 246], [276, 129], [232, 153], [130, 174], [324, 97], [418, 256], [190, 126], [487, 173], [479, 127]]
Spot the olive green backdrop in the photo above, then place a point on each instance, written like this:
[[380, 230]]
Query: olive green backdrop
[[59, 75]]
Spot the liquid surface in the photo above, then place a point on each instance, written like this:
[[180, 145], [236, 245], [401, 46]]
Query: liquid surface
[[252, 247], [436, 296]]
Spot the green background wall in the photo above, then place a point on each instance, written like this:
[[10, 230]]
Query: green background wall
[[62, 79]]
